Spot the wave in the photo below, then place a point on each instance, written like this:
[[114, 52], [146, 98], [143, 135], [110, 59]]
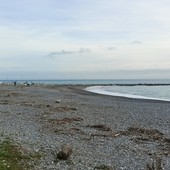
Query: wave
[[143, 84], [101, 90]]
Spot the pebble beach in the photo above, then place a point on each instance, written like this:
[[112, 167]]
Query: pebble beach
[[104, 132]]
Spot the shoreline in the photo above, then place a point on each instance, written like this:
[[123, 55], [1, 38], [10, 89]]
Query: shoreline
[[105, 130], [93, 89], [82, 88]]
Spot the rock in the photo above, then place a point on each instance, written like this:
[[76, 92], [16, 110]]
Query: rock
[[65, 152], [58, 101]]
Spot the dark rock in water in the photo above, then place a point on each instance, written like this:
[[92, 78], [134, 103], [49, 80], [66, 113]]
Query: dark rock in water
[[65, 152], [47, 105]]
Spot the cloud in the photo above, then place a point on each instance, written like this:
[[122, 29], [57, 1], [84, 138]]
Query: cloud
[[136, 42], [84, 50], [67, 52], [62, 52], [111, 48]]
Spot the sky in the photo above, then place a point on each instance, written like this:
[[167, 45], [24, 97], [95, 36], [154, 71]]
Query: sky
[[84, 39]]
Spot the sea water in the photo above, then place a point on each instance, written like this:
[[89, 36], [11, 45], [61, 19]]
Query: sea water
[[139, 92]]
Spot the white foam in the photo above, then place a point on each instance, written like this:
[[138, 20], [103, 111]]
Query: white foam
[[101, 90]]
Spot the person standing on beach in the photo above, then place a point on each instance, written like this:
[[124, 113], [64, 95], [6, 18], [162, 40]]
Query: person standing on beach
[[15, 83]]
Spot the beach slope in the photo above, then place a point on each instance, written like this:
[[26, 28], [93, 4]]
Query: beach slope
[[102, 131]]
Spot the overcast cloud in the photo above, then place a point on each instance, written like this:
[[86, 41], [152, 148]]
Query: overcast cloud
[[85, 37]]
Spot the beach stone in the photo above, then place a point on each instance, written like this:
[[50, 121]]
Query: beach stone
[[58, 101], [65, 152]]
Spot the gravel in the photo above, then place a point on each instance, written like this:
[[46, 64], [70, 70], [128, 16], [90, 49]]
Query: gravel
[[32, 118]]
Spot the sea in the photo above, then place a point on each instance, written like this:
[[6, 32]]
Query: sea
[[155, 89]]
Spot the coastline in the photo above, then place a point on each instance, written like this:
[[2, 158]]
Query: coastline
[[106, 130], [98, 90]]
